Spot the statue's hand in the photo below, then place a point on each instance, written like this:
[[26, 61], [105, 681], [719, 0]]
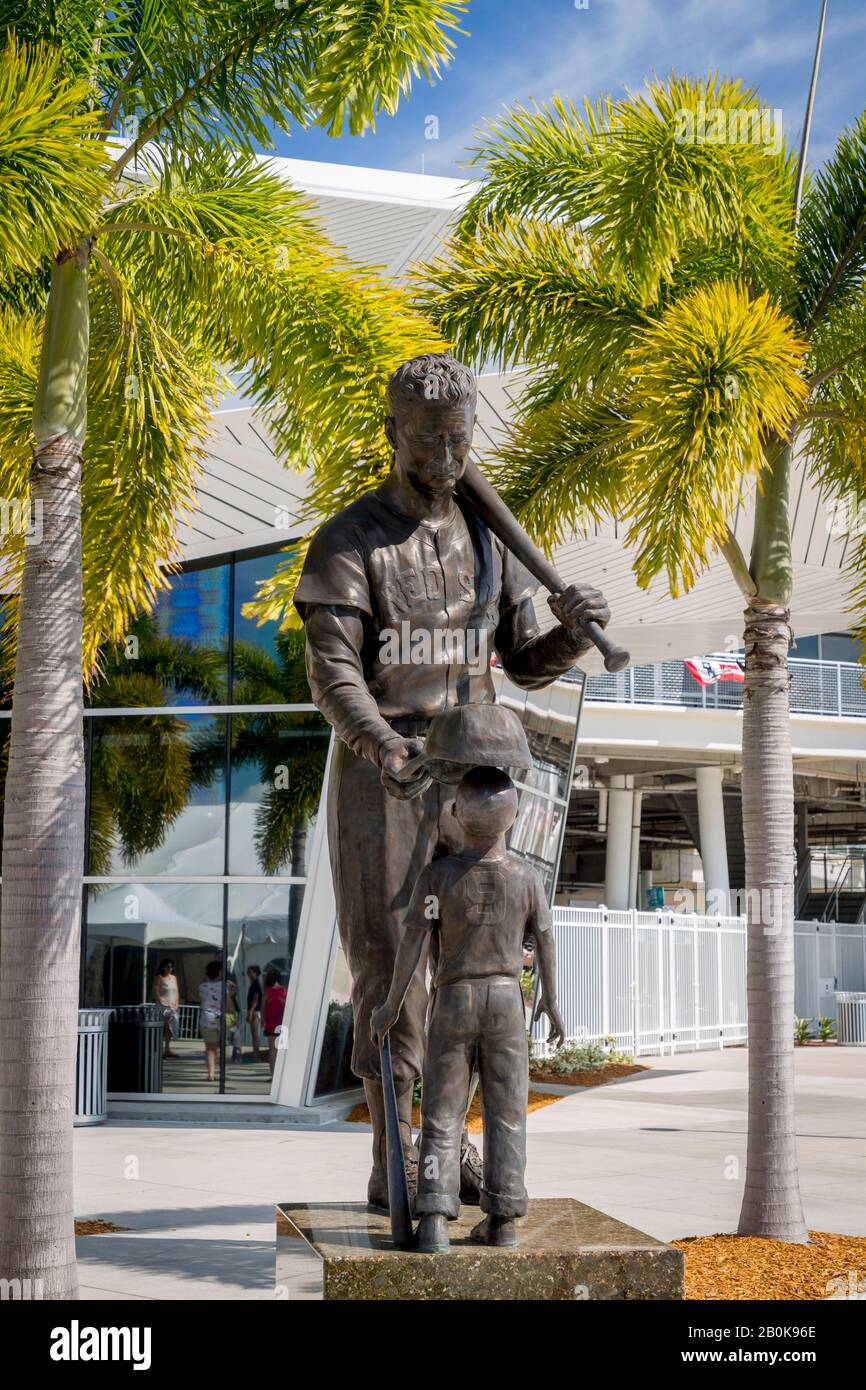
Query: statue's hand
[[580, 603], [393, 763], [382, 1020], [556, 1031]]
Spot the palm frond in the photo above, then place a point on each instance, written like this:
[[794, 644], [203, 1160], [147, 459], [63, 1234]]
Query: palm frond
[[282, 811], [150, 400], [370, 53], [72, 28], [273, 600], [258, 678], [148, 418], [144, 776], [539, 163], [44, 146], [522, 291], [311, 337], [563, 467], [651, 175], [717, 375], [247, 66], [172, 663], [831, 253], [690, 160]]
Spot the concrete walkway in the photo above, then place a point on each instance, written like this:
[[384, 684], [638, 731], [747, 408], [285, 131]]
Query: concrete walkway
[[663, 1150]]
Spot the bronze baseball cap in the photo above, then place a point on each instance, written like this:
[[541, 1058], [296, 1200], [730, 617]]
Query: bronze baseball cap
[[480, 735]]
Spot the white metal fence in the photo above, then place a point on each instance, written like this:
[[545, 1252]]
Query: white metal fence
[[664, 982], [828, 956], [817, 687], [187, 1021]]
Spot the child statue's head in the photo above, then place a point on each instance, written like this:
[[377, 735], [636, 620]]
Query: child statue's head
[[486, 803]]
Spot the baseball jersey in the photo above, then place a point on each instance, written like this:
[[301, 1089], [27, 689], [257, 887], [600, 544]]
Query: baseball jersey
[[480, 910]]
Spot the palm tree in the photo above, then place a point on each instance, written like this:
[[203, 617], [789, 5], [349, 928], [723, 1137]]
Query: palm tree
[[172, 255], [685, 334]]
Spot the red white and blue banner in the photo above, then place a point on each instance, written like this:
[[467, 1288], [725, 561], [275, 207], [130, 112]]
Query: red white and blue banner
[[709, 670]]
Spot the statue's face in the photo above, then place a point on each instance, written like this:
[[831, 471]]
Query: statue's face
[[431, 441]]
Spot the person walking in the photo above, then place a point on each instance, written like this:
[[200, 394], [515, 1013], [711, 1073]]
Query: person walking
[[275, 1003], [166, 993], [211, 997]]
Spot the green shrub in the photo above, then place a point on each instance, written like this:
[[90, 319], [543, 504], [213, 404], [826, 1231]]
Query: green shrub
[[586, 1056]]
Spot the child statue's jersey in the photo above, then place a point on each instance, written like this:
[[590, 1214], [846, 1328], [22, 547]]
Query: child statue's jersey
[[480, 911]]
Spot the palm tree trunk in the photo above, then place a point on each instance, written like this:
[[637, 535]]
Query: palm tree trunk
[[771, 1199], [43, 841]]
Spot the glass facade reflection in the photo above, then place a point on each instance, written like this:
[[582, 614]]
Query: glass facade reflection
[[262, 933], [277, 766], [157, 794], [194, 613], [248, 574], [199, 827], [334, 1072]]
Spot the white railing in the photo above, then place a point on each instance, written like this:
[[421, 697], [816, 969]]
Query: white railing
[[665, 982], [835, 870], [187, 1021], [817, 687]]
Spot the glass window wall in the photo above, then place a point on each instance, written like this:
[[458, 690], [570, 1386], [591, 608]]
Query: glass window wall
[[195, 823]]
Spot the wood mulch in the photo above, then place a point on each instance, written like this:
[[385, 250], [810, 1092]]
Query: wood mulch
[[590, 1076], [735, 1267], [97, 1228], [360, 1115]]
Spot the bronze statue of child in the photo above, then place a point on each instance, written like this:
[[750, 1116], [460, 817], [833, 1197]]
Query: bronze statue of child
[[476, 908]]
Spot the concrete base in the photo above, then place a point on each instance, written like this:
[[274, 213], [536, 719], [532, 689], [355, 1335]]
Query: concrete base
[[566, 1251]]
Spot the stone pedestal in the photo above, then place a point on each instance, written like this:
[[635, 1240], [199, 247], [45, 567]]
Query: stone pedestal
[[566, 1251]]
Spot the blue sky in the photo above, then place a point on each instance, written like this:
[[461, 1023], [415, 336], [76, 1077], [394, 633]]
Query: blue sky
[[520, 50]]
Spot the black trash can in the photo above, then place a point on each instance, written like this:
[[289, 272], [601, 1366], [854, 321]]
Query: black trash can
[[135, 1037]]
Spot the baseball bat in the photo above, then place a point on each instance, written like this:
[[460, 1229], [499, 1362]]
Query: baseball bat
[[399, 1205], [486, 503]]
